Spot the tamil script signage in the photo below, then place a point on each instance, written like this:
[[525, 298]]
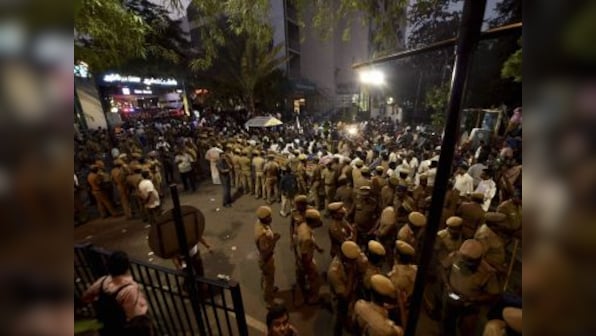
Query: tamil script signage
[[117, 78]]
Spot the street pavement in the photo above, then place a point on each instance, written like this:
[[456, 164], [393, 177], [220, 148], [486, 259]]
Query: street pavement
[[230, 232]]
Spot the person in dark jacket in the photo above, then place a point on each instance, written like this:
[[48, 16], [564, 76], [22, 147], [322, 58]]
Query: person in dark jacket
[[288, 188]]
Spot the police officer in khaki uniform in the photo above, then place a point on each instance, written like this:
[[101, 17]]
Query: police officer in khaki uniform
[[421, 192], [95, 181], [317, 188], [364, 215], [236, 164], [258, 164], [372, 318], [308, 276], [119, 174], [376, 257], [363, 180], [271, 176], [403, 204], [512, 208], [330, 180], [472, 214], [297, 216], [132, 181], [470, 282], [265, 240], [155, 170], [386, 233], [339, 228], [388, 192], [344, 193], [301, 174], [449, 239], [412, 232], [491, 235], [342, 276], [245, 179], [403, 273], [377, 182], [356, 171]]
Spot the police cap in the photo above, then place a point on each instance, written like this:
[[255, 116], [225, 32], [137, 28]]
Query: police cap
[[375, 247], [494, 217], [263, 212], [350, 249], [417, 219], [335, 206], [312, 214], [404, 248], [454, 221], [382, 285], [471, 248], [300, 199]]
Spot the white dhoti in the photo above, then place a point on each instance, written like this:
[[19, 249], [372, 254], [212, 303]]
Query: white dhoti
[[214, 173]]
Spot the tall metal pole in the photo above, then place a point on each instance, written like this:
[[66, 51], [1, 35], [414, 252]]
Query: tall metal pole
[[468, 35], [190, 272]]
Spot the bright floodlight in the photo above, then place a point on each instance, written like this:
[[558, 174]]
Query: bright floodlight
[[374, 77]]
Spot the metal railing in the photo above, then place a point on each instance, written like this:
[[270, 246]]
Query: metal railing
[[220, 306]]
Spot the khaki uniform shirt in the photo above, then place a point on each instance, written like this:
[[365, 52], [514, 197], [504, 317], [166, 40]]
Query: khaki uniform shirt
[[306, 241], [472, 284], [329, 177], [345, 194], [403, 277], [494, 247], [373, 320], [244, 163], [258, 163], [271, 169], [445, 245], [472, 215], [338, 278], [265, 240], [387, 194], [513, 213]]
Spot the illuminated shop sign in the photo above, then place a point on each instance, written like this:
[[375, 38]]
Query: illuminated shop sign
[[143, 91], [117, 78]]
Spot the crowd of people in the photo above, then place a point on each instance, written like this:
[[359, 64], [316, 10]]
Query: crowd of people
[[370, 183]]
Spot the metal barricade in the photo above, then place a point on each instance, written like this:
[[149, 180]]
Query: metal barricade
[[221, 310]]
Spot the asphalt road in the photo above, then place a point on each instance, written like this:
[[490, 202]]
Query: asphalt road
[[230, 231]]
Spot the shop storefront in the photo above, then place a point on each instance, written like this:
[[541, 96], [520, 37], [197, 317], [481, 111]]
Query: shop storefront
[[129, 98]]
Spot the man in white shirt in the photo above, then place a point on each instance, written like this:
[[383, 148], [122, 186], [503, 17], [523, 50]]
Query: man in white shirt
[[161, 143], [488, 187], [476, 172], [184, 163], [149, 196], [464, 183]]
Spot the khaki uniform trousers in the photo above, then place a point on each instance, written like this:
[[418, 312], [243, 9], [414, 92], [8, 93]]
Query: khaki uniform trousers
[[267, 278], [259, 184], [103, 204]]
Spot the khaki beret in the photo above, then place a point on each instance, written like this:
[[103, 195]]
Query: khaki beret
[[380, 169], [271, 156], [229, 145], [237, 151], [513, 318], [454, 221], [136, 155], [477, 196], [376, 248], [471, 248], [123, 156], [255, 152], [404, 248], [350, 249], [342, 178], [301, 199], [118, 162], [302, 157], [417, 219], [388, 216], [335, 206], [359, 163], [383, 285], [245, 151], [394, 181], [494, 217], [312, 214], [365, 170], [203, 135], [365, 188], [263, 212]]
